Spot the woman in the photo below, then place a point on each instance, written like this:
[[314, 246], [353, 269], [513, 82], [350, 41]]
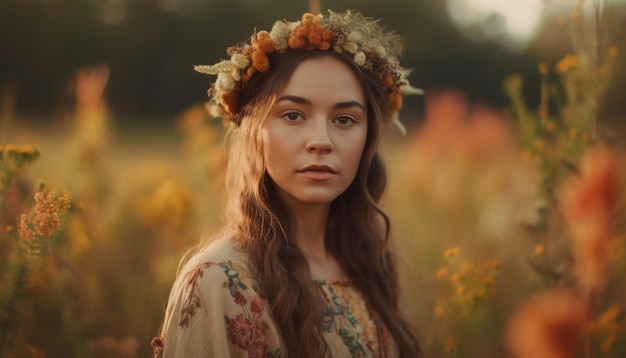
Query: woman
[[302, 266]]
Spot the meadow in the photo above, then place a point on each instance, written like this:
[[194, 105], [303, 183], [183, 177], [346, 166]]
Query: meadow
[[509, 225]]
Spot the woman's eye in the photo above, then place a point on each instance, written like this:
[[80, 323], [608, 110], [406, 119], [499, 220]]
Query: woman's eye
[[292, 116], [345, 121]]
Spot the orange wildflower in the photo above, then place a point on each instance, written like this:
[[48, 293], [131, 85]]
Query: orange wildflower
[[588, 204], [550, 325], [263, 42], [314, 38], [260, 61]]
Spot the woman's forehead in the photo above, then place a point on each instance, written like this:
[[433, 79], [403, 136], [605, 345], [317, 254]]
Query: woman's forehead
[[324, 77]]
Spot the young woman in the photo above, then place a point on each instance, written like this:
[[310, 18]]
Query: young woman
[[302, 266]]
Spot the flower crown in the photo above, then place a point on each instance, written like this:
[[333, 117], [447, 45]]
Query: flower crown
[[371, 47]]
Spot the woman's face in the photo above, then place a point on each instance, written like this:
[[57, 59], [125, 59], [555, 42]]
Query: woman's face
[[315, 132]]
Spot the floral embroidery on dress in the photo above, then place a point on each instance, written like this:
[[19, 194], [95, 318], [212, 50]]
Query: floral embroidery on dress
[[194, 299], [246, 330], [157, 345], [347, 314]]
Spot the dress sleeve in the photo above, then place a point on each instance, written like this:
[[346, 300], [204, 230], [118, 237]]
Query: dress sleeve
[[214, 311]]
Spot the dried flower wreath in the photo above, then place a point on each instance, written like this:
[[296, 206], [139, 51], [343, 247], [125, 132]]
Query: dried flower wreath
[[371, 47]]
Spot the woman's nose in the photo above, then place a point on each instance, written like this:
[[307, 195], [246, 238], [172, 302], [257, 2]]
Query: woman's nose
[[319, 139]]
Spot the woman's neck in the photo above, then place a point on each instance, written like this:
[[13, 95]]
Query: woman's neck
[[309, 236], [310, 228]]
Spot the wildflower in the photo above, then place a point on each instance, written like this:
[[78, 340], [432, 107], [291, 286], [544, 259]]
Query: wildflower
[[451, 252], [548, 325], [566, 63], [550, 126], [240, 60], [455, 278], [613, 51], [260, 61], [263, 42], [489, 280], [543, 68], [461, 290], [607, 345], [588, 203], [360, 58], [539, 250], [47, 206], [441, 273], [572, 133]]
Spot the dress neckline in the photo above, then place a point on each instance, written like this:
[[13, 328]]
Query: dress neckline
[[334, 282]]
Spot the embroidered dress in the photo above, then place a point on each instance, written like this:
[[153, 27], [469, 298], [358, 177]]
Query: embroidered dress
[[214, 310]]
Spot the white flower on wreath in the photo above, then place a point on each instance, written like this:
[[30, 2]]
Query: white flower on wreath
[[240, 60], [351, 47], [360, 58], [225, 82], [280, 35]]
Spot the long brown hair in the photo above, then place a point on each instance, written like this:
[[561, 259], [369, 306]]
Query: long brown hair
[[357, 232]]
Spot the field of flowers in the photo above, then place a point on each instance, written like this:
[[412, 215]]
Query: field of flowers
[[510, 226]]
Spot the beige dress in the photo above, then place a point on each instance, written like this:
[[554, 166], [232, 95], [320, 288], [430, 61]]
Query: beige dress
[[215, 311]]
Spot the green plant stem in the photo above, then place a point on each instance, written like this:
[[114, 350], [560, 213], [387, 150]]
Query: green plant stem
[[11, 306]]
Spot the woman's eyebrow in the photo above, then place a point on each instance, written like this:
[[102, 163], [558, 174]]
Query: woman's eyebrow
[[304, 101]]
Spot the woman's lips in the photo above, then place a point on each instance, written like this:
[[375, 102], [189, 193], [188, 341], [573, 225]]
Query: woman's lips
[[318, 172]]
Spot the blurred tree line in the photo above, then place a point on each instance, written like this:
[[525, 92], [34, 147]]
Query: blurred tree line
[[150, 47]]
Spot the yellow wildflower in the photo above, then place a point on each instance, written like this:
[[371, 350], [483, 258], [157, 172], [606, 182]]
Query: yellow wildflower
[[489, 280], [455, 278], [613, 51], [9, 228], [566, 63], [451, 252], [539, 250], [461, 290], [573, 133], [441, 273], [609, 316], [550, 126]]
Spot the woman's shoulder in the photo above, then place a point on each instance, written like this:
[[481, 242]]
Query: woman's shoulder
[[215, 263], [213, 302], [217, 250]]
